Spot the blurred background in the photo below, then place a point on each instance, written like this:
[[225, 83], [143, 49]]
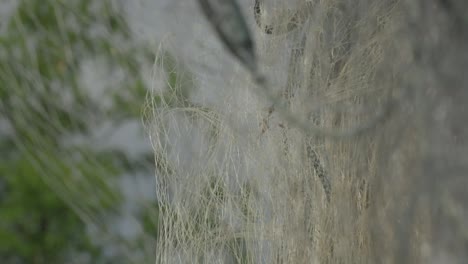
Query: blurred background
[[76, 168]]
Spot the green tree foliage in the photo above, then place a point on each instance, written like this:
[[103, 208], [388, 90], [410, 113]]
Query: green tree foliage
[[50, 189], [37, 226]]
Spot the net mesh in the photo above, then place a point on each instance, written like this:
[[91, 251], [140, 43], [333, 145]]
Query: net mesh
[[242, 181]]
